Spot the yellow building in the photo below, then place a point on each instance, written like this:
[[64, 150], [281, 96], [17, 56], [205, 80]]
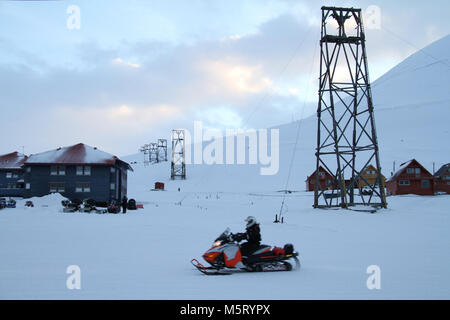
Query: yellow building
[[370, 175]]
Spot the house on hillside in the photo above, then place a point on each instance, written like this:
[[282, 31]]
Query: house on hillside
[[411, 178], [77, 172], [325, 180], [369, 174], [11, 174], [442, 179]]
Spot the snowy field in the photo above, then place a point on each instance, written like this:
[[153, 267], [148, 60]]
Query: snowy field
[[145, 254]]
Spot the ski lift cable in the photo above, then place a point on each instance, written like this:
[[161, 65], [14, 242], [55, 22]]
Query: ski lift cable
[[422, 50], [280, 74], [283, 203], [294, 54]]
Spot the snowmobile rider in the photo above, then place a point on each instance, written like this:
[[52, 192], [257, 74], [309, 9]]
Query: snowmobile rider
[[253, 236], [124, 204]]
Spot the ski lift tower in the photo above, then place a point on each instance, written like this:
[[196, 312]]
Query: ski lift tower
[[346, 135], [145, 150], [153, 153], [178, 167], [162, 150]]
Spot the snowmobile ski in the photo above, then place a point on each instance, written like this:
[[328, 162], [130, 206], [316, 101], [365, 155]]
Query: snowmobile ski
[[210, 271]]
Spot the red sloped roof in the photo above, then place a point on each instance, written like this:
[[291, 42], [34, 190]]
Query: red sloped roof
[[320, 169], [405, 165], [12, 160], [76, 154]]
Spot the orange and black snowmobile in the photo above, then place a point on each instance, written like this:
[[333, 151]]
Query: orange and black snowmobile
[[225, 257]]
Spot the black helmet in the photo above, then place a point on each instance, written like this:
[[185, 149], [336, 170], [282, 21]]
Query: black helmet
[[251, 221]]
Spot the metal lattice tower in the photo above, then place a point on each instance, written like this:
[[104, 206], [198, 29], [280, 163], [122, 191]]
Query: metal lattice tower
[[145, 150], [162, 150], [153, 153], [178, 167], [346, 135]]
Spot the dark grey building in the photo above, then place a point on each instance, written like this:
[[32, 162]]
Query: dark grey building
[[11, 175], [77, 172]]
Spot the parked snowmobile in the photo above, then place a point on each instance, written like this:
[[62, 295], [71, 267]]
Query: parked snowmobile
[[11, 203], [71, 206], [225, 258]]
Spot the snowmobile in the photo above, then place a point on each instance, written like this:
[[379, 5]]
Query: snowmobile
[[3, 203], [113, 207], [131, 204], [225, 258], [11, 203], [71, 206]]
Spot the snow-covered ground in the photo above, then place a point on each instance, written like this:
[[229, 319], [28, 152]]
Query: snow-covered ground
[[146, 254]]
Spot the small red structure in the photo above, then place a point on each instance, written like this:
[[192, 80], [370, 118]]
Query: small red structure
[[411, 178], [442, 179], [325, 180], [159, 186]]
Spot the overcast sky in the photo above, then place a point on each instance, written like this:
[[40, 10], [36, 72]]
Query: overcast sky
[[137, 69]]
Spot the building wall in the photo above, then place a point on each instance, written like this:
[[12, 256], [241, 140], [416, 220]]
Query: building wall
[[38, 180], [11, 187], [443, 181], [395, 188], [326, 181], [442, 186], [370, 177]]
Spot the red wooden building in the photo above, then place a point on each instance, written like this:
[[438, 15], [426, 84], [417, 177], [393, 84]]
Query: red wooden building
[[442, 179], [325, 180], [159, 186], [411, 178]]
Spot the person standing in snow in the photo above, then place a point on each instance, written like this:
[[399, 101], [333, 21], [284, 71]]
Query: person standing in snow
[[253, 236], [124, 204]]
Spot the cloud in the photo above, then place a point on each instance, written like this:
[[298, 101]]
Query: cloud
[[124, 95]]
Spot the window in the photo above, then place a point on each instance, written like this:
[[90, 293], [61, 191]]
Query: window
[[328, 182], [28, 169], [15, 175], [83, 170], [113, 170], [410, 171], [83, 187], [425, 183], [446, 178], [8, 175], [28, 186], [321, 174], [57, 187], [57, 170], [404, 183], [113, 186], [417, 170]]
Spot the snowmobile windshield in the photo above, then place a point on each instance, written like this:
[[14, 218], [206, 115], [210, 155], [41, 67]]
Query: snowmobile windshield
[[225, 235]]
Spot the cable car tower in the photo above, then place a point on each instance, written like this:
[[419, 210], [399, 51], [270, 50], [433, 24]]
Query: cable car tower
[[178, 166], [346, 135]]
